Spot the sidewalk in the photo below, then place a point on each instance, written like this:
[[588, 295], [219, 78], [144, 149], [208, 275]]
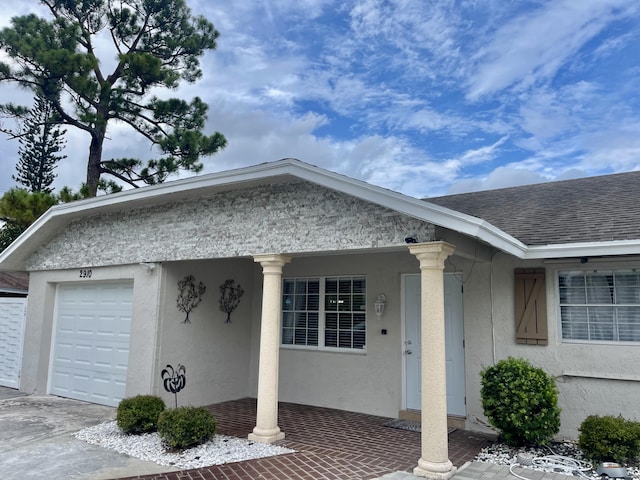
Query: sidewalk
[[484, 471]]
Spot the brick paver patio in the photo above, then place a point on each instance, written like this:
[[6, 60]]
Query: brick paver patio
[[330, 444]]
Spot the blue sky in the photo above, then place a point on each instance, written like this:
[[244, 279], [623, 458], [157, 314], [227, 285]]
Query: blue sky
[[423, 97]]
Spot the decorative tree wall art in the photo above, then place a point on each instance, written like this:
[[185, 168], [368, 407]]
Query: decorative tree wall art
[[174, 380], [230, 294], [190, 295]]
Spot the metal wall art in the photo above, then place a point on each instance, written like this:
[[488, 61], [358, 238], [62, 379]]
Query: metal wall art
[[190, 295], [174, 380], [230, 294]]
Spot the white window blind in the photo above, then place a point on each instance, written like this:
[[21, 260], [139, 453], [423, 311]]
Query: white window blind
[[600, 305], [324, 312]]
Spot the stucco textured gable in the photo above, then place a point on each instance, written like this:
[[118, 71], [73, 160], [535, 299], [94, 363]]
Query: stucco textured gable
[[286, 217]]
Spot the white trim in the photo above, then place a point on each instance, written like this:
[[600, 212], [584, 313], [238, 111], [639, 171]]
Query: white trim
[[15, 256], [57, 217], [403, 337], [583, 249]]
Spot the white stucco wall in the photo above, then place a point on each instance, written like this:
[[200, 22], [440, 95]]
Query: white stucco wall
[[611, 385], [40, 323], [370, 381], [216, 354], [185, 236]]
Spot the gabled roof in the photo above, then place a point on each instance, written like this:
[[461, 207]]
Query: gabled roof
[[286, 170], [595, 209]]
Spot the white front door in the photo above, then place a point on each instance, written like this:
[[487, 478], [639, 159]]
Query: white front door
[[454, 338], [91, 343], [12, 319]]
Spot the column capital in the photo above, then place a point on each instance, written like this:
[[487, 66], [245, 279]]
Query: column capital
[[272, 263], [431, 254]]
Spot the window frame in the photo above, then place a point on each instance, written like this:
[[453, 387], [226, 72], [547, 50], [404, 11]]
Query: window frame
[[322, 314], [616, 307]]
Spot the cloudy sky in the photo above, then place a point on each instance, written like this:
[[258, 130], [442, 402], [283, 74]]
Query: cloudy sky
[[423, 97]]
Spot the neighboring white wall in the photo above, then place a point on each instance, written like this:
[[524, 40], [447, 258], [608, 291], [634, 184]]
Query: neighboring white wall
[[368, 382], [40, 324], [612, 384], [216, 354], [13, 312]]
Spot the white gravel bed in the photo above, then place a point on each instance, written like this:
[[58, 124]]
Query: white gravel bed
[[221, 449], [502, 454]]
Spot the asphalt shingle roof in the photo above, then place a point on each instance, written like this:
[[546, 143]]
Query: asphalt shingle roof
[[590, 209]]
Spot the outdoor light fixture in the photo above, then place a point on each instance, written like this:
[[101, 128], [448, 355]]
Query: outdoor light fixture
[[147, 266], [379, 304]]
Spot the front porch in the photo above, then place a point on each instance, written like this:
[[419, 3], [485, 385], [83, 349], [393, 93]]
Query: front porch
[[330, 444]]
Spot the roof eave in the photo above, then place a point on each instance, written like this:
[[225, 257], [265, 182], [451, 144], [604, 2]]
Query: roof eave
[[15, 256], [583, 249]]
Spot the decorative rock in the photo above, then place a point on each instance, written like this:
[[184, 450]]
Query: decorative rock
[[221, 449], [502, 454]]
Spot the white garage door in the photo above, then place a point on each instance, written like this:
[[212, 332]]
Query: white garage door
[[12, 317], [91, 343]]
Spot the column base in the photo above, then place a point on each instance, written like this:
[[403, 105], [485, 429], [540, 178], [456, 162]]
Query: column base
[[266, 435], [437, 471]]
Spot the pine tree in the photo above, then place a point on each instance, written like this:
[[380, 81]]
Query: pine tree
[[40, 144], [159, 44]]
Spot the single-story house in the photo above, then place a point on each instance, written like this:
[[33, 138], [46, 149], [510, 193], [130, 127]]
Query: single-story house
[[355, 297]]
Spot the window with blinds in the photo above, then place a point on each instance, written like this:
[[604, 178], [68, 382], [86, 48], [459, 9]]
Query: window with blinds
[[600, 306], [324, 312]]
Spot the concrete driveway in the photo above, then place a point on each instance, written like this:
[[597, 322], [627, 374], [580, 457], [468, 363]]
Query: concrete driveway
[[37, 442]]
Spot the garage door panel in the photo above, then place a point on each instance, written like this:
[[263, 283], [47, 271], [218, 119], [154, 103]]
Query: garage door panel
[[91, 348]]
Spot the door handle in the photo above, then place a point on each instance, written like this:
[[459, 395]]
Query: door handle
[[408, 352]]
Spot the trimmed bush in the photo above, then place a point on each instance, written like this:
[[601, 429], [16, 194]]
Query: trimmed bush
[[610, 439], [139, 414], [521, 402], [185, 427]]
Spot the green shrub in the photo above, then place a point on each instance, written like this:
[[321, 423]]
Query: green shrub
[[521, 401], [610, 439], [139, 414], [185, 427]]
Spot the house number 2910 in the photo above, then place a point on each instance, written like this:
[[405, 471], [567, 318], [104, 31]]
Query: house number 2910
[[85, 273]]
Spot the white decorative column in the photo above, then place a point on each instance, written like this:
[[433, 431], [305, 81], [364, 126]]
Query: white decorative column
[[434, 462], [267, 429]]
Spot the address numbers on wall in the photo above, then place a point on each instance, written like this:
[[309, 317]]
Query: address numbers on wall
[[85, 273]]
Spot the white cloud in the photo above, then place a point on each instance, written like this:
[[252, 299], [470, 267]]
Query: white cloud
[[376, 90], [535, 45]]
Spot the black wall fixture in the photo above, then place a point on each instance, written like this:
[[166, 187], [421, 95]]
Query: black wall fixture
[[230, 294], [190, 295]]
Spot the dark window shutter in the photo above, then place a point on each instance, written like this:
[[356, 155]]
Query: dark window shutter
[[530, 306]]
